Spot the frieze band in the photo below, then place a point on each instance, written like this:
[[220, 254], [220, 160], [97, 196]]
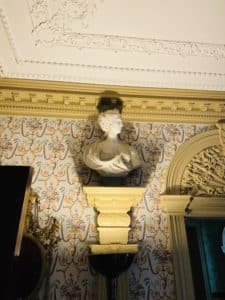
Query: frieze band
[[72, 100]]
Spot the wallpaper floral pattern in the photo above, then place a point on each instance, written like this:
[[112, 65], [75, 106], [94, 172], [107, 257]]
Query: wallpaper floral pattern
[[53, 147]]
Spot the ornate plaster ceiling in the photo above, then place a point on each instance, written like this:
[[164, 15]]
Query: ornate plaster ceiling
[[147, 43]]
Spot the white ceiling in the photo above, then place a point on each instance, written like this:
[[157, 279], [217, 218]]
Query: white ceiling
[[145, 43]]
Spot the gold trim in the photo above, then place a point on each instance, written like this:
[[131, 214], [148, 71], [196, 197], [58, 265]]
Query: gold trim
[[181, 259], [22, 222], [113, 248], [197, 206], [73, 100]]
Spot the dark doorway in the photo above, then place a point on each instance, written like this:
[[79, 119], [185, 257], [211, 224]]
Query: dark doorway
[[14, 182], [207, 258]]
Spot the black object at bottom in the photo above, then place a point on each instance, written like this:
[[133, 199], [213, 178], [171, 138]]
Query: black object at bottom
[[112, 181], [111, 266], [27, 268]]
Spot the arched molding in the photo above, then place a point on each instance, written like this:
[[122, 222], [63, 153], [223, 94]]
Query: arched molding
[[179, 205], [185, 154]]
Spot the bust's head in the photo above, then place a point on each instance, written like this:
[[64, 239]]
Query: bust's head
[[109, 102], [110, 122], [110, 107]]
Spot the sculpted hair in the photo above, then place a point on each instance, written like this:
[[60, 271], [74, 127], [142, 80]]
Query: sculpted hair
[[109, 103]]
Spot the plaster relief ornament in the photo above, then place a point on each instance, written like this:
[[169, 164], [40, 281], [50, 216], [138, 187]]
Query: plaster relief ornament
[[111, 157]]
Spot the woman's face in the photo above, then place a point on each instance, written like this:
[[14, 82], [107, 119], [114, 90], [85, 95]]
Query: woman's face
[[110, 122]]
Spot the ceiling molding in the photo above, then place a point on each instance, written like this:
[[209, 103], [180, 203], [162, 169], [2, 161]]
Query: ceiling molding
[[9, 35], [119, 43], [80, 10], [127, 44], [120, 68], [135, 75], [48, 31], [78, 101], [169, 79]]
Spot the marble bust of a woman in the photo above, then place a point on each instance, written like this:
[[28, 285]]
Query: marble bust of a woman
[[110, 156]]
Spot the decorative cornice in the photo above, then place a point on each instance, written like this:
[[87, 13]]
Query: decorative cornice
[[182, 80], [70, 100]]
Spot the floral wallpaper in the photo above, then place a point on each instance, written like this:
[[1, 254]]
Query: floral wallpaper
[[54, 147]]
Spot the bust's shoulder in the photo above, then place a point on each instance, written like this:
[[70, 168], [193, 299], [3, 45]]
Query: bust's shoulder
[[94, 147]]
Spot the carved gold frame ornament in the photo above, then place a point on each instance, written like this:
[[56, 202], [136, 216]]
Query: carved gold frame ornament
[[75, 100], [180, 206]]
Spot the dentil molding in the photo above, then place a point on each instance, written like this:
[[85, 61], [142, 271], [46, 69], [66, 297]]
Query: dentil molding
[[71, 100]]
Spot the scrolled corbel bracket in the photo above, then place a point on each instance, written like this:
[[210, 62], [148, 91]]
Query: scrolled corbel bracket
[[113, 221]]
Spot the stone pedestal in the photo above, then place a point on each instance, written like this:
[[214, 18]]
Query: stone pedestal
[[113, 222]]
